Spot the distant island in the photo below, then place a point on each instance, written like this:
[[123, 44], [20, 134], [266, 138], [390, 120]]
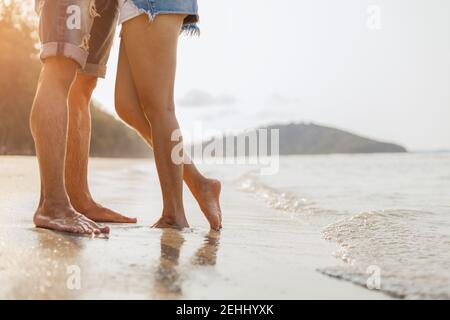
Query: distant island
[[305, 138], [310, 139]]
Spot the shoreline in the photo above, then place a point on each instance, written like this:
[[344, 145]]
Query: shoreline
[[261, 253]]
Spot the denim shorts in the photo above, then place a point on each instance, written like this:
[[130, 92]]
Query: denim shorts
[[82, 30], [130, 9]]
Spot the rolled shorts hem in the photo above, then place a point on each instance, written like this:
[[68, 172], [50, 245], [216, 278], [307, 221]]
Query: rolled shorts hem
[[95, 70], [65, 49]]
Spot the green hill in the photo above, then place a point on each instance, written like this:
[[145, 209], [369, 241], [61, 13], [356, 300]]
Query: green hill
[[301, 138]]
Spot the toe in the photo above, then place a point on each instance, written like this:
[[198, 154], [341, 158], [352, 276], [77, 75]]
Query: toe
[[77, 230], [92, 224], [96, 229], [104, 229], [87, 229], [129, 220], [119, 218]]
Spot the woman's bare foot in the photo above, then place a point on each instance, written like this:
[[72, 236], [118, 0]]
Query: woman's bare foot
[[178, 222], [63, 218], [97, 213], [207, 195]]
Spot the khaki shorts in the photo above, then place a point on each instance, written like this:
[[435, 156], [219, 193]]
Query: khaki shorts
[[82, 30]]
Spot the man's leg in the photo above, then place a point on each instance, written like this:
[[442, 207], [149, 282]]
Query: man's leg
[[78, 142], [206, 191], [48, 122]]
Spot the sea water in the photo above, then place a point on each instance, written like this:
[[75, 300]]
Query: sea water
[[388, 214]]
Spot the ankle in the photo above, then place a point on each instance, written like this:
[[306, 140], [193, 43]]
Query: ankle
[[173, 214], [82, 203], [199, 184], [206, 185], [49, 204]]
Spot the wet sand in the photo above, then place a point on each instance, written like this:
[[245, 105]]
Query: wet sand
[[261, 253]]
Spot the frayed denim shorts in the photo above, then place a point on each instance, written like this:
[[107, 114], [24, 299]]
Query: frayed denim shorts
[[130, 9]]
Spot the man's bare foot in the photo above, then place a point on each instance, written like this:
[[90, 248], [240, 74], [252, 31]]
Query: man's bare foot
[[97, 213], [208, 197], [178, 222], [65, 219]]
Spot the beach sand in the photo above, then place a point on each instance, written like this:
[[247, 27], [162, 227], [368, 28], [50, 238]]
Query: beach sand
[[260, 254]]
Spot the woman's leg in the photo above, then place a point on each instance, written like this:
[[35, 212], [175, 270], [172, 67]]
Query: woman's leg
[[206, 191], [152, 50]]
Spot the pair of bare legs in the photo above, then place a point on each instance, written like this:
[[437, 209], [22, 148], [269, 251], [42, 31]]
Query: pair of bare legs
[[145, 101], [60, 123]]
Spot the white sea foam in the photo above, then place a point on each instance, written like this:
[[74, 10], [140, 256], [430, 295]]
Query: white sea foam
[[276, 199], [411, 252]]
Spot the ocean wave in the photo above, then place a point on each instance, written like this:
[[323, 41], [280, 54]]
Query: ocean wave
[[277, 199], [408, 250]]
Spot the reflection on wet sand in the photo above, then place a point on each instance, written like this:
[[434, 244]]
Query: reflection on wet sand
[[168, 277], [207, 254], [42, 271]]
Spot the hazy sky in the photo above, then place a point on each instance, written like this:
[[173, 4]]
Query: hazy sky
[[261, 61]]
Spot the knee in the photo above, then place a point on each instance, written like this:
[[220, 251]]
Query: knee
[[56, 78], [157, 106], [128, 108], [83, 88], [59, 72], [124, 114], [122, 106], [87, 85]]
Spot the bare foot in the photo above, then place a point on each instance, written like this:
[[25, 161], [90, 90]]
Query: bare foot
[[208, 197], [97, 213], [65, 219], [169, 222]]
